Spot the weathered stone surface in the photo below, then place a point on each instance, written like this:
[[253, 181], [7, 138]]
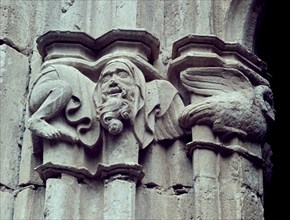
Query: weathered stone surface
[[153, 203], [29, 204], [206, 184], [224, 180], [252, 207], [20, 16], [162, 203], [119, 199], [153, 159], [179, 165], [180, 206], [64, 193], [7, 202], [14, 72], [29, 160], [91, 200]]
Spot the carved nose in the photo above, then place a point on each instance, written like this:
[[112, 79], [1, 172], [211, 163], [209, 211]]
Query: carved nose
[[112, 83]]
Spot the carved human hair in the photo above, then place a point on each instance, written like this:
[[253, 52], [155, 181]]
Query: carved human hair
[[119, 94]]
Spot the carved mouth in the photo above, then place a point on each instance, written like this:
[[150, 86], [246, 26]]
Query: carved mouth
[[114, 90]]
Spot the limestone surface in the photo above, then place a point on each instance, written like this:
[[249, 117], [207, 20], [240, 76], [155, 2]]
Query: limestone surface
[[132, 109]]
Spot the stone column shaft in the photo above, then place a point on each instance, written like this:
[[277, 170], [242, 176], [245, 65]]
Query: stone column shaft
[[205, 166], [226, 96], [61, 196], [120, 175], [119, 199], [206, 184]]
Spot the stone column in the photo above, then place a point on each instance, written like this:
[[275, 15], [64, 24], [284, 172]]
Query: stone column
[[120, 174], [229, 108], [120, 171], [120, 189]]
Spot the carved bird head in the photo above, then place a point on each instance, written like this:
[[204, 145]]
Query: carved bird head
[[264, 100]]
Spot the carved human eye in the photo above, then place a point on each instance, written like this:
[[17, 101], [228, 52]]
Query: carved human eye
[[106, 78], [123, 74], [107, 119]]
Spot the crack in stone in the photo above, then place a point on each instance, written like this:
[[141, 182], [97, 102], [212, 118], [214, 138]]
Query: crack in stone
[[9, 43], [181, 189], [176, 190], [4, 187], [67, 5]]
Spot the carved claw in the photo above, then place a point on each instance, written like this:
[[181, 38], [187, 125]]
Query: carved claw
[[42, 129]]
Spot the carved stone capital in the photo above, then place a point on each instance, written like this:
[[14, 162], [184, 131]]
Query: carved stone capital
[[209, 51], [226, 85], [100, 100], [226, 150], [89, 54], [123, 171]]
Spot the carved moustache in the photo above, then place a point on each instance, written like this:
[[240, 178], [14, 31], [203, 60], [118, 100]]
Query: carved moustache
[[117, 90], [114, 109]]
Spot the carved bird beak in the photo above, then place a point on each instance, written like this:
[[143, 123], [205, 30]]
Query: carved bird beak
[[271, 114]]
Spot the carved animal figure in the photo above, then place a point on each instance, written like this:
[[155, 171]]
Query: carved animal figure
[[229, 104]]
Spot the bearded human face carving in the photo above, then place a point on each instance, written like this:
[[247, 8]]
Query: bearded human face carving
[[117, 87]]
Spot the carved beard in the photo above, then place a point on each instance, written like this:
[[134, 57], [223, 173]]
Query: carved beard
[[115, 109]]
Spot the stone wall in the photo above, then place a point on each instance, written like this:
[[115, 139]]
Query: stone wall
[[197, 175]]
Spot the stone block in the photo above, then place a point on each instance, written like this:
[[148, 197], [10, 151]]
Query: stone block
[[91, 200], [252, 176], [119, 199], [205, 164], [180, 206], [67, 15], [175, 16], [20, 16], [121, 148], [206, 183], [29, 161], [124, 14], [153, 159], [6, 204], [29, 204], [150, 203], [14, 71], [62, 198], [252, 207], [179, 165], [238, 178]]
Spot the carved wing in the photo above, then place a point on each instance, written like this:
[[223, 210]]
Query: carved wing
[[210, 81]]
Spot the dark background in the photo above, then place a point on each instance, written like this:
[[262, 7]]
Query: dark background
[[271, 41]]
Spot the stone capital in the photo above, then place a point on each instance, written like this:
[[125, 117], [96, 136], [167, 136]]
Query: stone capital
[[89, 54], [225, 88], [122, 171], [194, 51]]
